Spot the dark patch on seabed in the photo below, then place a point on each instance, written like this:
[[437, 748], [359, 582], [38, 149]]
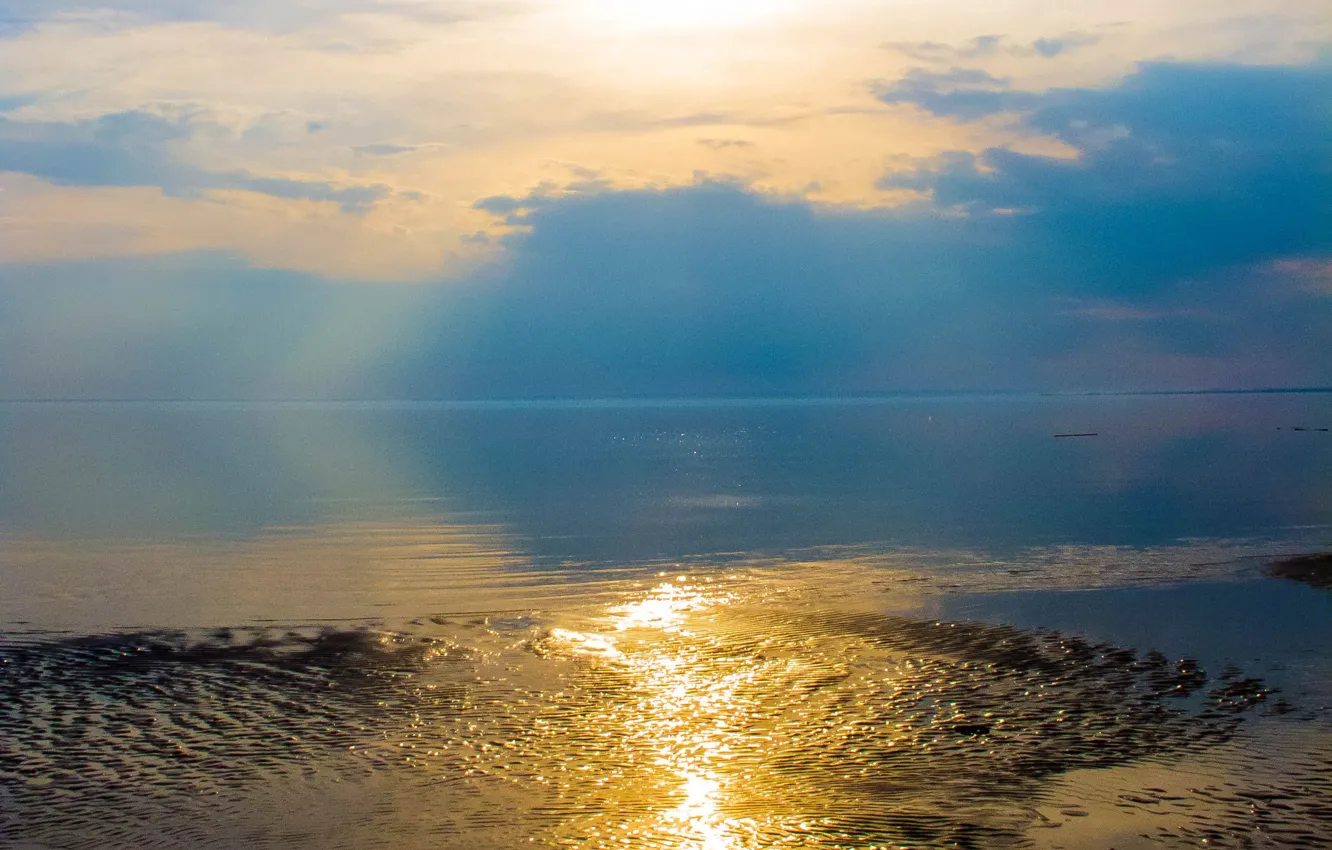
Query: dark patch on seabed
[[672, 722], [1314, 569]]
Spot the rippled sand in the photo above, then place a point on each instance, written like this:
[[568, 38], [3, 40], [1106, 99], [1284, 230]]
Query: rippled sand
[[740, 711]]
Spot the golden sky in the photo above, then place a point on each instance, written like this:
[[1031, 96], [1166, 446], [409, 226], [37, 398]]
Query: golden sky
[[427, 107]]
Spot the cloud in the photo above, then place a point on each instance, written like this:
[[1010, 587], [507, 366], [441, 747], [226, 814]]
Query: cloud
[[1182, 170], [938, 51], [1265, 109], [1052, 47], [967, 93], [134, 149], [1110, 311], [714, 289], [708, 289], [350, 198], [1312, 275], [265, 15], [1186, 243], [986, 46], [704, 289], [1127, 265], [632, 121], [384, 150], [501, 205], [723, 144]]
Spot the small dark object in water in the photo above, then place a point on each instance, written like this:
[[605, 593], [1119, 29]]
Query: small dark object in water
[[1313, 569], [972, 729], [1088, 434]]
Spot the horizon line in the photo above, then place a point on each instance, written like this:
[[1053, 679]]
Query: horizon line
[[557, 399]]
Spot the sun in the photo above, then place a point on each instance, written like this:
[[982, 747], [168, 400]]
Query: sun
[[647, 16]]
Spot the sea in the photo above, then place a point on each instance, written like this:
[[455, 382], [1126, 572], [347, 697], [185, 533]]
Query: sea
[[899, 621]]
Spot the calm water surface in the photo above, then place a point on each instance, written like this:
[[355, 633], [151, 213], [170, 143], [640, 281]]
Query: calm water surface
[[899, 622]]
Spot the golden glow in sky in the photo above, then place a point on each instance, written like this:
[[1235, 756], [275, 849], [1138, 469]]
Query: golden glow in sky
[[356, 142], [646, 16]]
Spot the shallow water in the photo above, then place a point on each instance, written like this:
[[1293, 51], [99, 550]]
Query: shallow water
[[902, 623]]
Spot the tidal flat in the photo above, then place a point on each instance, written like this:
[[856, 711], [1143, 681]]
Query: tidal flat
[[915, 622]]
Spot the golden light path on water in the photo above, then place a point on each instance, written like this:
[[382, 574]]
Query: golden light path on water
[[708, 702], [682, 703], [703, 712], [720, 708], [683, 710]]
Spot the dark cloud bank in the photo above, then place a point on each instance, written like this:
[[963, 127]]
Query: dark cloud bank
[[1146, 262]]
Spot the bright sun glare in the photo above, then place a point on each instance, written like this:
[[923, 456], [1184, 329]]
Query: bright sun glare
[[666, 15]]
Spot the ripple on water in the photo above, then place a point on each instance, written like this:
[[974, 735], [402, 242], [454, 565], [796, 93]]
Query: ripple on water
[[714, 714]]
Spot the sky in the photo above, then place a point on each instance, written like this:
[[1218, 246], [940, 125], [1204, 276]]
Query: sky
[[518, 198]]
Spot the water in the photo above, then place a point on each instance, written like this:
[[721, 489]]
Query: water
[[896, 622]]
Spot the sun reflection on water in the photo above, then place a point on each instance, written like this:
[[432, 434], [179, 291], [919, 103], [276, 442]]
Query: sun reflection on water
[[729, 713], [687, 711], [664, 607], [684, 711], [700, 820], [696, 711]]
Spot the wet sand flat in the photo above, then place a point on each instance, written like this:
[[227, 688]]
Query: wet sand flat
[[745, 710], [884, 623]]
